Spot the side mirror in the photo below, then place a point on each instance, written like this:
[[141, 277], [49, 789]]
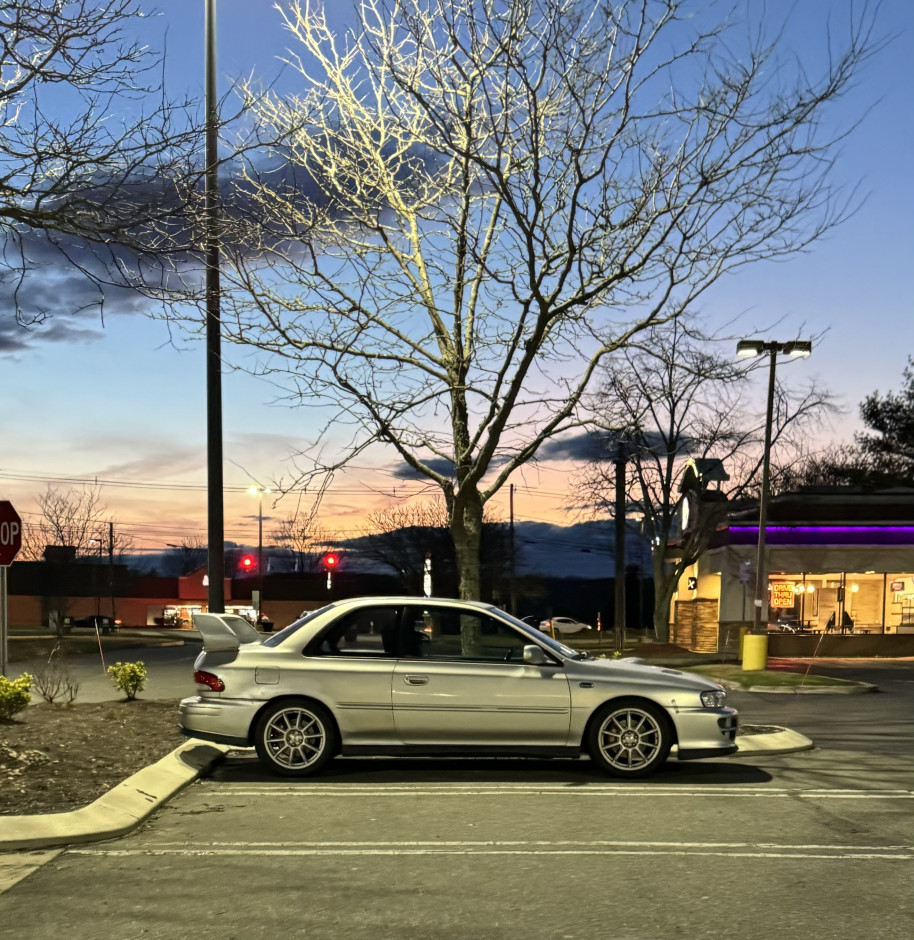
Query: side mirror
[[535, 656]]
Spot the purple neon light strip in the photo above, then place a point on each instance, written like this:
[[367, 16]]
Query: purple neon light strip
[[825, 535], [825, 528]]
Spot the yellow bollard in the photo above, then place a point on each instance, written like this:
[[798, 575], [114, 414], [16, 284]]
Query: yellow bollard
[[755, 651]]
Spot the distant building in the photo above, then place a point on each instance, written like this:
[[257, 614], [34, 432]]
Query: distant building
[[840, 561]]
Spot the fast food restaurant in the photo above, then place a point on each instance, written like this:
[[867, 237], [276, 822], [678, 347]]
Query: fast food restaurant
[[840, 563]]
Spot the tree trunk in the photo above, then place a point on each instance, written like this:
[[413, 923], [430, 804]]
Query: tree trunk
[[664, 588], [466, 531]]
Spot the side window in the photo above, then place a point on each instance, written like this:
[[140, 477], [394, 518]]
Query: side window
[[454, 634], [371, 631]]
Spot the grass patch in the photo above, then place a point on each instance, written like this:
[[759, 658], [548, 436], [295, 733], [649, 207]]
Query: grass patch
[[757, 678]]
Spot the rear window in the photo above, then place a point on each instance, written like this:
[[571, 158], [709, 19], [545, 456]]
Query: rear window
[[276, 638]]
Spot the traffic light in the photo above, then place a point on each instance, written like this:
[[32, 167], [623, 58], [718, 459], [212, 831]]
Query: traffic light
[[248, 563], [330, 561]]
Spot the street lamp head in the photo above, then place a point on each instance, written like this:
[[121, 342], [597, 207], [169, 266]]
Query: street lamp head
[[748, 348], [797, 349]]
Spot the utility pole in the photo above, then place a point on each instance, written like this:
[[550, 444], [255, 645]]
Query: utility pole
[[619, 618], [512, 593], [215, 516]]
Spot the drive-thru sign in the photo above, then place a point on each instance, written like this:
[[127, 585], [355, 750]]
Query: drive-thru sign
[[10, 533]]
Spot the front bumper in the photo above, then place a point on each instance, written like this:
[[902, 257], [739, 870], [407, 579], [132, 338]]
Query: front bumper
[[706, 733]]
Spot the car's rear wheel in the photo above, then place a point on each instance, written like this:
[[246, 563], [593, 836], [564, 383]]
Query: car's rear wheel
[[629, 738], [295, 738]]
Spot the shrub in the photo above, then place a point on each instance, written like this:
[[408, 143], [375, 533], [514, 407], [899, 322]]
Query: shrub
[[15, 694], [54, 679], [130, 678]]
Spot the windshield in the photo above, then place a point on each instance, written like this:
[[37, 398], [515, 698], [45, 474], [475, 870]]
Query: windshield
[[276, 638], [566, 651]]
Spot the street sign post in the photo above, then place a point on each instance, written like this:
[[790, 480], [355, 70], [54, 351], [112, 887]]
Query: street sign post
[[10, 543]]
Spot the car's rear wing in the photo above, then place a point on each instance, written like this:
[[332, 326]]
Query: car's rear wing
[[225, 631]]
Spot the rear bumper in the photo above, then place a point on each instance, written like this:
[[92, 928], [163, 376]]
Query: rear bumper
[[224, 721]]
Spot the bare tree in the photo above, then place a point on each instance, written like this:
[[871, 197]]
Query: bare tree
[[677, 409], [79, 181], [77, 519], [304, 537], [187, 557], [414, 538], [403, 535], [509, 191]]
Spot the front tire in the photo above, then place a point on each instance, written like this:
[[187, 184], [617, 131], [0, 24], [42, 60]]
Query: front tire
[[296, 738], [629, 738]]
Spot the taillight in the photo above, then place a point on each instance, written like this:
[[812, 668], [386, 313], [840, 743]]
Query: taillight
[[209, 680]]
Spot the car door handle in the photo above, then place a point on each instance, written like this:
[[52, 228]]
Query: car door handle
[[415, 680]]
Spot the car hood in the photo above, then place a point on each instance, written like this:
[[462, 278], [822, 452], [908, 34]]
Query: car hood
[[224, 631], [634, 670]]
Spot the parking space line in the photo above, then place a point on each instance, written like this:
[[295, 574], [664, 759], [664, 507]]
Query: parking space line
[[837, 853], [360, 791]]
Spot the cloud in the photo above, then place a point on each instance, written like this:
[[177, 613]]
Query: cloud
[[586, 446], [45, 275], [403, 471], [600, 446]]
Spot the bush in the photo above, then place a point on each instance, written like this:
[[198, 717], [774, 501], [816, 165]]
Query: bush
[[54, 679], [130, 678], [15, 694]]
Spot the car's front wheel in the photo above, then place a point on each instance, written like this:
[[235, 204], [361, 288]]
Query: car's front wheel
[[629, 738], [295, 738]]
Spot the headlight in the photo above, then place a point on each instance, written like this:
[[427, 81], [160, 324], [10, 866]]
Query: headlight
[[715, 699]]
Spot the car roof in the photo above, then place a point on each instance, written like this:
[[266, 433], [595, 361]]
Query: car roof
[[413, 600]]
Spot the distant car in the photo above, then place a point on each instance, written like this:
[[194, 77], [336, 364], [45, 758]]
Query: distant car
[[98, 622], [563, 625], [430, 677], [530, 621]]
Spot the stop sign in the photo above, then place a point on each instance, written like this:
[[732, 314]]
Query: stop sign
[[10, 533]]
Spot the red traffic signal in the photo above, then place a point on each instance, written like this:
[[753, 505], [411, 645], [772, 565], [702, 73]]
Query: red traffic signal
[[248, 563], [330, 561]]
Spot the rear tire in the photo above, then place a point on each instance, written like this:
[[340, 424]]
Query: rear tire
[[296, 738], [629, 738]]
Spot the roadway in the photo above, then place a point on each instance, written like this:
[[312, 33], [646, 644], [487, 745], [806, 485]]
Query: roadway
[[817, 844]]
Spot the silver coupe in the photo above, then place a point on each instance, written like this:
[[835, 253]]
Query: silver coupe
[[412, 676]]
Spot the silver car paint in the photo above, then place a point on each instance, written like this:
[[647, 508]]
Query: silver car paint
[[387, 702]]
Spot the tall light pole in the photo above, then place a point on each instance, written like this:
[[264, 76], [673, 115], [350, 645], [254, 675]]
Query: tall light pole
[[215, 511], [747, 349], [259, 491]]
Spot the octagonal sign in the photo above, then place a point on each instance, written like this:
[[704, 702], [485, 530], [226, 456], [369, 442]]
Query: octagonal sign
[[10, 533]]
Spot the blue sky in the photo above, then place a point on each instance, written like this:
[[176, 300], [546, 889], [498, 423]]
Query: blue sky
[[125, 403]]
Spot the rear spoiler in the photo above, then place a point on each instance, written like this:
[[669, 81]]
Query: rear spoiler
[[224, 631]]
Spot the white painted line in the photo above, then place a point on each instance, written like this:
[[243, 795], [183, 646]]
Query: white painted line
[[330, 852], [343, 791], [14, 866], [536, 843]]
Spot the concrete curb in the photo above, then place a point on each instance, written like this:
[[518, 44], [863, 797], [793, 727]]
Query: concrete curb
[[134, 800], [855, 688], [119, 810], [858, 688], [780, 741]]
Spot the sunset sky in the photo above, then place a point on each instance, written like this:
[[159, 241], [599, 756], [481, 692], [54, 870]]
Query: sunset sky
[[123, 402]]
